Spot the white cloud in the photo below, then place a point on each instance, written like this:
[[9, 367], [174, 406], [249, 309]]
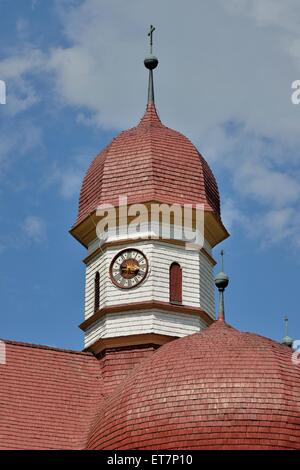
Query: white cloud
[[231, 214], [70, 182], [260, 173], [68, 178], [28, 60], [265, 184], [16, 143], [34, 228], [16, 70], [284, 15], [220, 64], [276, 226]]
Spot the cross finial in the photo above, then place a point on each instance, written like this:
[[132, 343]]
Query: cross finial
[[151, 62], [222, 257], [286, 321], [287, 340], [221, 282], [150, 34]]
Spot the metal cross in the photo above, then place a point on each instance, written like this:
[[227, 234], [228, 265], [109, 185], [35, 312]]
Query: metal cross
[[222, 255], [150, 34], [286, 321]]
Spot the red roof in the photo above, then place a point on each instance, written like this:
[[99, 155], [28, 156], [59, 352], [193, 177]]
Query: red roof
[[48, 397], [149, 163], [217, 389]]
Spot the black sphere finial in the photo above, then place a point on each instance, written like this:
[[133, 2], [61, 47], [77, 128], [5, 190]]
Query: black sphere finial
[[151, 62], [221, 279], [221, 282]]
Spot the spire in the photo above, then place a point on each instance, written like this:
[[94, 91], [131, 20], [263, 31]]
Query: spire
[[221, 282], [151, 62], [287, 340]]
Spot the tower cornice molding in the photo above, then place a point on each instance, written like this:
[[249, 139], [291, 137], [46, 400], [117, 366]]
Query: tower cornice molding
[[122, 342], [137, 306], [214, 230]]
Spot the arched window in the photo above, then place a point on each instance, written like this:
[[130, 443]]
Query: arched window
[[97, 292], [175, 283]]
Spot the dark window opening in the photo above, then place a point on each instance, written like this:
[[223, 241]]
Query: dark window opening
[[175, 283]]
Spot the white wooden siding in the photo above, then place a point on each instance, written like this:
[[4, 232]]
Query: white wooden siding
[[197, 279], [148, 321], [197, 285], [207, 286]]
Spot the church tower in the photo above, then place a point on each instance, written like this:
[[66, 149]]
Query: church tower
[[145, 283]]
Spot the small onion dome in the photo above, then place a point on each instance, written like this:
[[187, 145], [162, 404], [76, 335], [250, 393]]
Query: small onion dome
[[216, 389]]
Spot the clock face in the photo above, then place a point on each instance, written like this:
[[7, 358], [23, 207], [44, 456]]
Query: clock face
[[129, 268]]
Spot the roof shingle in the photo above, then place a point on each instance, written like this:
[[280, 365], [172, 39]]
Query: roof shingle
[[149, 162], [216, 389]]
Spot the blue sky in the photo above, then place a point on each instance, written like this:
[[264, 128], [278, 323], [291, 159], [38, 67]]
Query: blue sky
[[75, 78]]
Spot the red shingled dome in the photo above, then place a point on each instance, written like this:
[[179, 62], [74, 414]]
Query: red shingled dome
[[149, 162], [217, 389]]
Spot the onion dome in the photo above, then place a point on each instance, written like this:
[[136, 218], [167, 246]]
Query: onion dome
[[216, 389], [149, 162]]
